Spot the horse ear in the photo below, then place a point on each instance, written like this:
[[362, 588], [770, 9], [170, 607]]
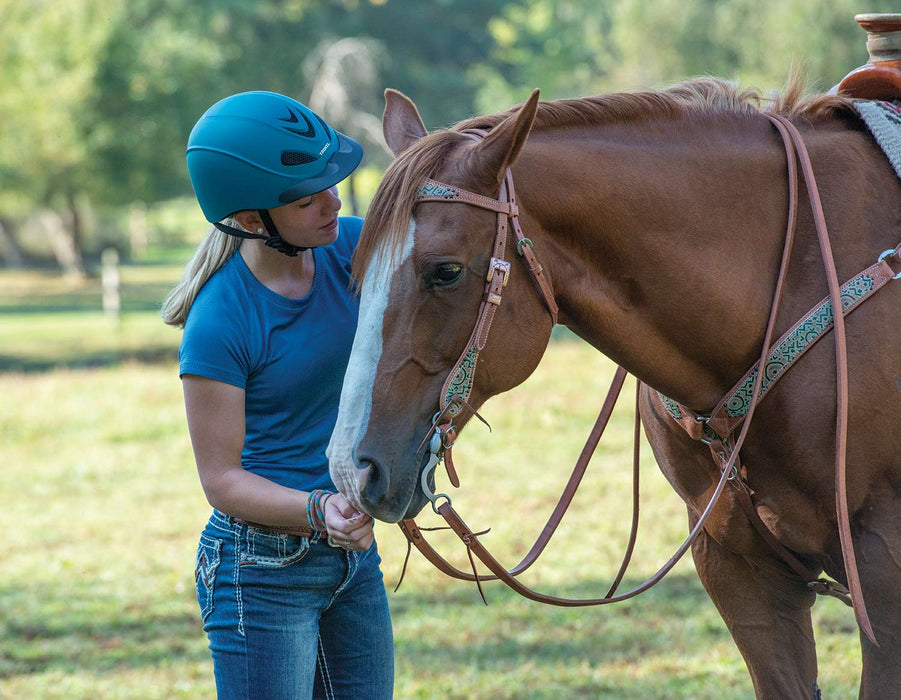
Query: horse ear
[[500, 148], [401, 122]]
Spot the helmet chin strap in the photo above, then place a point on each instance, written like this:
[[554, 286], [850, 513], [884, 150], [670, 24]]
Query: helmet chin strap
[[272, 240], [275, 241]]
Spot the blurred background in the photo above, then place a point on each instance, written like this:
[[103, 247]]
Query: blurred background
[[100, 507], [97, 97]]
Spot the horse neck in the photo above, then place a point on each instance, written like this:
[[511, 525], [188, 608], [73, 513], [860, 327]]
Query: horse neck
[[664, 245]]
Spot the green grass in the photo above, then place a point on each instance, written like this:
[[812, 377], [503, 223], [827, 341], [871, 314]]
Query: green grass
[[100, 510]]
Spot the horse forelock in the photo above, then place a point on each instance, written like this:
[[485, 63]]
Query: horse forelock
[[387, 222], [388, 219]]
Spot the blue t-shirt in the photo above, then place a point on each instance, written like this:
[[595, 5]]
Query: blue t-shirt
[[289, 356]]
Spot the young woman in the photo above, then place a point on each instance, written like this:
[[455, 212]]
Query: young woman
[[287, 571]]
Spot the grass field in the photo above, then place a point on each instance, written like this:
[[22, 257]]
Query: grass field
[[100, 509]]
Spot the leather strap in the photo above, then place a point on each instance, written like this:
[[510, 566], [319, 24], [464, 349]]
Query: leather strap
[[475, 547], [460, 378], [437, 191], [728, 415], [841, 378], [298, 531], [524, 248], [723, 424], [722, 427], [415, 536]]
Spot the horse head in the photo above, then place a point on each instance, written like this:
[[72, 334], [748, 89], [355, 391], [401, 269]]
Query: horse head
[[422, 267]]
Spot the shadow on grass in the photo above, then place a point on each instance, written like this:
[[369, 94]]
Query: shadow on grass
[[521, 630], [55, 635], [75, 304], [104, 358], [58, 631], [675, 591]]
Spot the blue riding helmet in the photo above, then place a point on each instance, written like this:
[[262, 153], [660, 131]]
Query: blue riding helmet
[[260, 150]]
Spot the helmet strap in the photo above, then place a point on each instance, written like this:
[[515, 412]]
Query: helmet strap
[[273, 240]]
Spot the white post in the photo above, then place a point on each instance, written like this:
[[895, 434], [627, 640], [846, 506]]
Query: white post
[[112, 297]]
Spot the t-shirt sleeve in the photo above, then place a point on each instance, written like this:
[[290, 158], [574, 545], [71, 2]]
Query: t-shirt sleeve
[[212, 346]]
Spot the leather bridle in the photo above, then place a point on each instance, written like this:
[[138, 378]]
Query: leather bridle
[[458, 387]]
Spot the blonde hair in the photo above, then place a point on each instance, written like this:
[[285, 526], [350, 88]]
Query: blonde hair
[[212, 253]]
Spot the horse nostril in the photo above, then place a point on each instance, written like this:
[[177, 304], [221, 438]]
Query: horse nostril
[[372, 482], [366, 475]]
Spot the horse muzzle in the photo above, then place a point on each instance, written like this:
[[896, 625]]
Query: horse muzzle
[[386, 495]]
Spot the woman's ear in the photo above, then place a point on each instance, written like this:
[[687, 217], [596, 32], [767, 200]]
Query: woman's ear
[[249, 220]]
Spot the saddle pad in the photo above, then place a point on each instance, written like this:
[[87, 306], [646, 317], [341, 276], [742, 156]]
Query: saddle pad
[[883, 119]]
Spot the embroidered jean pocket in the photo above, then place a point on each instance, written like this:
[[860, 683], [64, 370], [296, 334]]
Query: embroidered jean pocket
[[205, 565], [271, 549]]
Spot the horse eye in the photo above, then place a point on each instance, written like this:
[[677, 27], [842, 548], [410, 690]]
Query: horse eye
[[447, 273]]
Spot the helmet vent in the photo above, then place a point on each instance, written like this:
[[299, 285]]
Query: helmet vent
[[296, 158]]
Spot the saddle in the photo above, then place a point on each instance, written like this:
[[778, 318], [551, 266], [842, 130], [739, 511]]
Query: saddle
[[875, 87], [880, 77]]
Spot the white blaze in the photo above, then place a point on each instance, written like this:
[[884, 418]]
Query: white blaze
[[356, 394]]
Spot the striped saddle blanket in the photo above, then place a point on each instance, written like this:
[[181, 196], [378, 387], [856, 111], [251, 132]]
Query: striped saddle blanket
[[883, 119]]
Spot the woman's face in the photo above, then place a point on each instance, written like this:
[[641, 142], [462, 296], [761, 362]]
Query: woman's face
[[311, 221]]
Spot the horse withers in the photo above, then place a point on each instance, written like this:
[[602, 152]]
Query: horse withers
[[659, 219]]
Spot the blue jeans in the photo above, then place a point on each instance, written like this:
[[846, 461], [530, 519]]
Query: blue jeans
[[290, 618]]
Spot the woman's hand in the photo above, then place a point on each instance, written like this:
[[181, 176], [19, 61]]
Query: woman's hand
[[347, 527]]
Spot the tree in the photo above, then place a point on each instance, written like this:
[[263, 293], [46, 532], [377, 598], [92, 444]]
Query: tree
[[157, 71], [576, 47], [344, 86], [99, 96], [48, 58], [434, 50], [563, 47], [754, 43]]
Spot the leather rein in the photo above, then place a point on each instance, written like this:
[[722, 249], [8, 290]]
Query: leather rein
[[715, 430]]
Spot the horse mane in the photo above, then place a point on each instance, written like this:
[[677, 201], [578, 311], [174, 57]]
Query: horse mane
[[389, 214]]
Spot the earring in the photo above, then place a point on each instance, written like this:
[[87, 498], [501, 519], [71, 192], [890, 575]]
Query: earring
[[260, 230]]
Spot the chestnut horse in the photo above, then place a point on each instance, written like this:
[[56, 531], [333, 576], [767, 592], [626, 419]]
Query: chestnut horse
[[659, 219]]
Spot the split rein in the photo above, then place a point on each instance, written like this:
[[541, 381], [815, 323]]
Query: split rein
[[458, 386]]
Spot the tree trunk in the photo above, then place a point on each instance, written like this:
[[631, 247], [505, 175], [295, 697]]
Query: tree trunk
[[76, 230], [352, 196], [10, 250], [65, 241], [137, 229]]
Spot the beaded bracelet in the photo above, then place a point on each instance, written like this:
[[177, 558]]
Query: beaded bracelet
[[310, 511], [321, 504], [316, 509], [317, 513]]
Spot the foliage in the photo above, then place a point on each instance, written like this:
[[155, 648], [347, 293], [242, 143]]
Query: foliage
[[49, 59], [563, 48], [755, 43], [153, 76], [97, 97], [432, 49], [576, 47]]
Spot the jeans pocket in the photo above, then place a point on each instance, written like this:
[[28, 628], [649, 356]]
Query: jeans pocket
[[205, 565], [271, 549]]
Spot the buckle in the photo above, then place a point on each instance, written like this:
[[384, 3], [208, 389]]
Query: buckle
[[498, 265], [891, 252]]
